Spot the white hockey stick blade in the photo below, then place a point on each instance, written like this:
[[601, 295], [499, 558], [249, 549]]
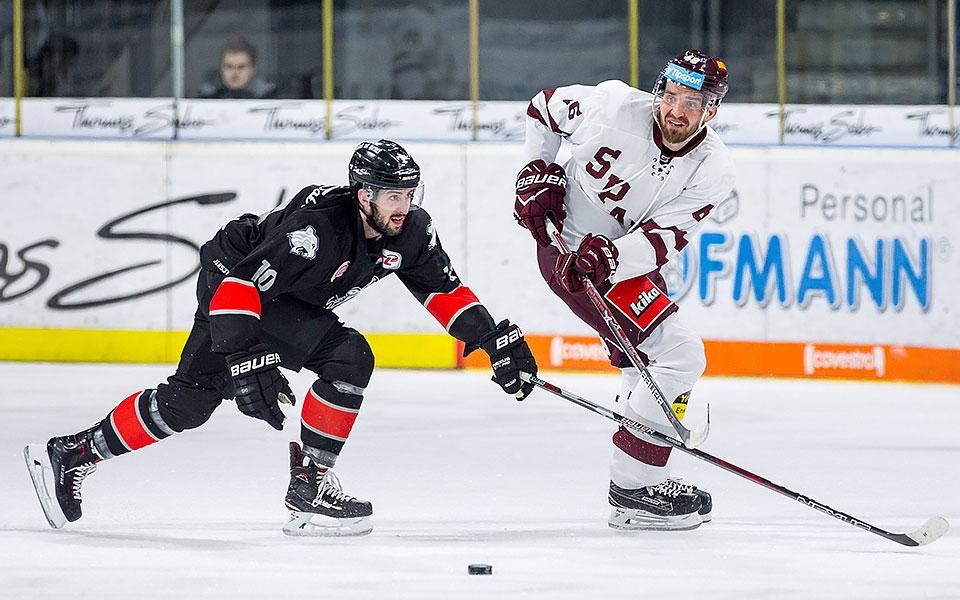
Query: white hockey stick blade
[[698, 434], [305, 524], [41, 472], [930, 532]]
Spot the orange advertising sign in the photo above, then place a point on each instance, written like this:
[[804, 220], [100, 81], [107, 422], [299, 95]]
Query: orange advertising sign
[[778, 359]]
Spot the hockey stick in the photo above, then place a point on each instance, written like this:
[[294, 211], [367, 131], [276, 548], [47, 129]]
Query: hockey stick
[[928, 533], [691, 438]]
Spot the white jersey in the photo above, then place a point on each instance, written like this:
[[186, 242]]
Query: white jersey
[[621, 182]]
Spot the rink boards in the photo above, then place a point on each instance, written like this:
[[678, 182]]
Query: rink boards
[[836, 262]]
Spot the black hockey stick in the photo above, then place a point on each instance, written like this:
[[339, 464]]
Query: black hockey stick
[[929, 532], [691, 438]]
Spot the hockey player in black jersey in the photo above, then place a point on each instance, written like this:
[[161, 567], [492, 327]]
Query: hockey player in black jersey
[[265, 294]]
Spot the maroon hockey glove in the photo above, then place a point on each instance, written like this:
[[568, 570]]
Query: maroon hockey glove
[[540, 191], [595, 259], [509, 355], [259, 385]]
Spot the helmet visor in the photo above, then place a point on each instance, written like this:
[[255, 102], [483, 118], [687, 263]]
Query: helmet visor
[[395, 199], [689, 97]]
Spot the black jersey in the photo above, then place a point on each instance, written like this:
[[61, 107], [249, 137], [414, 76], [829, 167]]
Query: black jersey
[[313, 249]]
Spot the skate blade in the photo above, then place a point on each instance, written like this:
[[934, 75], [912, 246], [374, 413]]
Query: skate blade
[[41, 473], [634, 520], [313, 525]]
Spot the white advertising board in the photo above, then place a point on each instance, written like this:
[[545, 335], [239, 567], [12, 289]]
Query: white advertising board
[[8, 117], [451, 121], [832, 245], [112, 118], [350, 119], [104, 235], [815, 244]]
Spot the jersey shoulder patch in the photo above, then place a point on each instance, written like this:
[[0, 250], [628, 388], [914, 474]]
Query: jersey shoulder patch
[[304, 242]]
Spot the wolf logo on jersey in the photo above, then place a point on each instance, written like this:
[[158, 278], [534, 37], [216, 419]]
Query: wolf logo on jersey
[[304, 242]]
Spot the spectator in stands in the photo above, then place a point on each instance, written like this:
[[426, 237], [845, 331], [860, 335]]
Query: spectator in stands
[[238, 74], [422, 64], [52, 70]]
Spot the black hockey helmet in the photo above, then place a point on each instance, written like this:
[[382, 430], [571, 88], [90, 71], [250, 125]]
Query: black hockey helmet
[[698, 71], [384, 164]]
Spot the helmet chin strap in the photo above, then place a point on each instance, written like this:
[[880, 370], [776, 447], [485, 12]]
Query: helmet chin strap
[[702, 123], [711, 104]]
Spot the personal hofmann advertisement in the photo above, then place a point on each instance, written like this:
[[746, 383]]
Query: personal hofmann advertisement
[[822, 262]]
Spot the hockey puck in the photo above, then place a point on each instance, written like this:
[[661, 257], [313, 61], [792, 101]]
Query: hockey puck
[[480, 569]]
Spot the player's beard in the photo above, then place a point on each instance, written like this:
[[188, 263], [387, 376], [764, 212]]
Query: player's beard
[[381, 223], [675, 136]]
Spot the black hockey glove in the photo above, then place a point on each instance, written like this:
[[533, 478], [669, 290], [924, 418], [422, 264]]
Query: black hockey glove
[[509, 355], [259, 384]]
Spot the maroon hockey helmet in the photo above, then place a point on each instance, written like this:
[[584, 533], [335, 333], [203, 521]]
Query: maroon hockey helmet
[[698, 71]]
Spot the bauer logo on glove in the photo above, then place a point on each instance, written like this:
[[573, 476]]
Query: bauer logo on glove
[[509, 356], [540, 192], [508, 338], [255, 363], [259, 385], [542, 179]]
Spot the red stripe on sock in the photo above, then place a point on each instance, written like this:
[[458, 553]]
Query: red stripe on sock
[[645, 452], [127, 425], [325, 418]]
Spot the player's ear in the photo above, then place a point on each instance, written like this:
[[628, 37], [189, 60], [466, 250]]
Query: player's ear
[[710, 115], [363, 198]]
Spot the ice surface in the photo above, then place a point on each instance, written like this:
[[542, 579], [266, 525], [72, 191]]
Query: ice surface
[[460, 473]]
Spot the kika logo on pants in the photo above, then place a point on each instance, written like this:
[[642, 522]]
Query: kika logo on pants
[[644, 300]]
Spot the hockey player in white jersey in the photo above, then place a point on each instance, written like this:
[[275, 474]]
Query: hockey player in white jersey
[[646, 169]]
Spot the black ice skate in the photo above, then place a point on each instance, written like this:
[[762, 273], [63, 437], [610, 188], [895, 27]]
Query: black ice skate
[[706, 501], [57, 470], [318, 506], [665, 506]]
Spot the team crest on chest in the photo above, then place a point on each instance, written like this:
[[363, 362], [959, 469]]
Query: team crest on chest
[[304, 242], [340, 270], [390, 259]]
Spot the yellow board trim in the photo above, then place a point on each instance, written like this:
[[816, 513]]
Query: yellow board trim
[[440, 351], [91, 345], [413, 350], [393, 350]]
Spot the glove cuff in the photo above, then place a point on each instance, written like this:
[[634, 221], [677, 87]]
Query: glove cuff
[[484, 340]]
